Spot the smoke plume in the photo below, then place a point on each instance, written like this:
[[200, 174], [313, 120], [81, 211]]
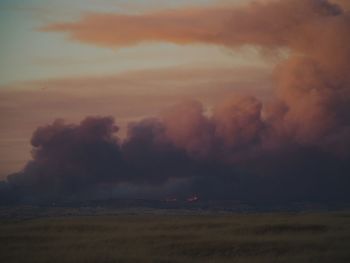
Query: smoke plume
[[295, 146]]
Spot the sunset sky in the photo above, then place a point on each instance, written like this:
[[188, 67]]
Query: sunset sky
[[152, 92]]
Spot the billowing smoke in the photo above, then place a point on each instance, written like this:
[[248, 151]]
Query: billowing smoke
[[68, 159], [230, 154], [295, 146]]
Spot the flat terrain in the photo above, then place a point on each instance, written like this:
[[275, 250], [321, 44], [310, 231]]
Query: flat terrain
[[274, 237]]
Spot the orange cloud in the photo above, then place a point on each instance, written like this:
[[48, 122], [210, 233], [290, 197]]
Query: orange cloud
[[266, 23], [179, 26]]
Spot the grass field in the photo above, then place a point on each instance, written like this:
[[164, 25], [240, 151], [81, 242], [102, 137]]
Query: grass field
[[238, 238]]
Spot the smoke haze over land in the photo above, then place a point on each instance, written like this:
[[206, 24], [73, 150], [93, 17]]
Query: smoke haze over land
[[294, 146]]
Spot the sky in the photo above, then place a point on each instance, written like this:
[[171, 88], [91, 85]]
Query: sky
[[28, 54], [208, 86]]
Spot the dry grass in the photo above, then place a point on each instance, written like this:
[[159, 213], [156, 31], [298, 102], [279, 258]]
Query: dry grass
[[173, 239]]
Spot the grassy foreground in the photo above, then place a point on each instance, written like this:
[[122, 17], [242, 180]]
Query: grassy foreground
[[179, 238]]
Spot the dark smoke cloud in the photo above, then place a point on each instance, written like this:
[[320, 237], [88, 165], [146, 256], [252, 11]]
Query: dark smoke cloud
[[69, 159], [295, 147], [87, 161], [151, 157]]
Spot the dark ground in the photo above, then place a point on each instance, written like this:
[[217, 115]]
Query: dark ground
[[101, 234]]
